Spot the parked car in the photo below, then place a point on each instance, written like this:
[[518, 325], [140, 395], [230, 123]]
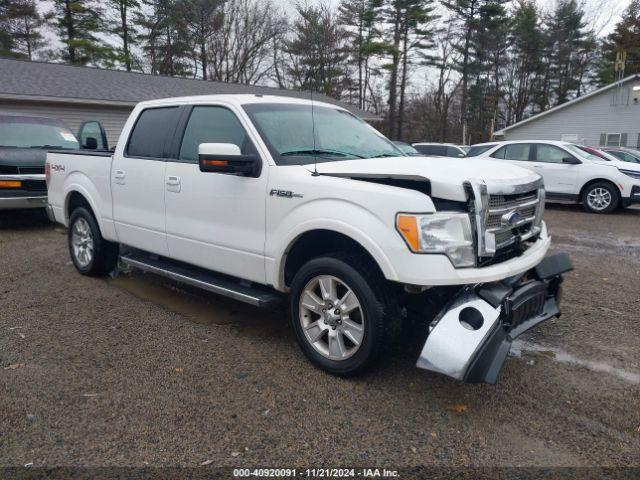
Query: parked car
[[263, 197], [570, 173], [407, 149], [597, 152], [439, 149], [625, 154], [24, 142]]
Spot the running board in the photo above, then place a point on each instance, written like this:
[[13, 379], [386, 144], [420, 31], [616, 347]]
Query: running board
[[228, 286]]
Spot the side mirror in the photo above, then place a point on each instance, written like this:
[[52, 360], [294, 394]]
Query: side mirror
[[90, 143], [571, 161], [227, 158]]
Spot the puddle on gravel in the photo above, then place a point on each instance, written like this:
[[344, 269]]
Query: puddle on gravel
[[200, 306], [197, 308], [521, 347]]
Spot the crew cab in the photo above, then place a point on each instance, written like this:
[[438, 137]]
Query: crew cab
[[24, 142], [268, 199], [570, 173]]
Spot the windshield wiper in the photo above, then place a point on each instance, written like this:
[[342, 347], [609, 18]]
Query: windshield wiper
[[387, 154], [319, 152], [51, 147]]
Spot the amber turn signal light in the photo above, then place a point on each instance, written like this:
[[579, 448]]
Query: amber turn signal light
[[10, 184], [215, 163], [407, 225]]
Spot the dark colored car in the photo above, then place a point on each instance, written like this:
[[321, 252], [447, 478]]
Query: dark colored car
[[24, 142], [439, 149], [625, 154]]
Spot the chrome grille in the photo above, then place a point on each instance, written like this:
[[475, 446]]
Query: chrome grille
[[506, 214]]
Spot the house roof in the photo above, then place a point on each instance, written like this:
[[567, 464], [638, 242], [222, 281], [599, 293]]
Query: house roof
[[56, 82], [569, 103]]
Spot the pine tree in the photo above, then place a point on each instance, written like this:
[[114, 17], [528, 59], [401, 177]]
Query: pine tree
[[20, 28], [409, 22], [165, 39], [78, 22], [123, 26], [318, 48], [360, 17], [624, 38], [524, 67]]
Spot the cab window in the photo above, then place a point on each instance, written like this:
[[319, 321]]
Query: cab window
[[211, 124], [550, 153], [153, 127]]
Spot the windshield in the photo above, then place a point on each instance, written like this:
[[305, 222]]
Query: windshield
[[405, 147], [34, 132], [581, 153], [288, 131], [479, 149]]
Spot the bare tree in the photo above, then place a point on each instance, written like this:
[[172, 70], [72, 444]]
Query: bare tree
[[241, 49]]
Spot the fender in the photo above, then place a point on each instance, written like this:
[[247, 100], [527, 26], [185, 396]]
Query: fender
[[351, 220]]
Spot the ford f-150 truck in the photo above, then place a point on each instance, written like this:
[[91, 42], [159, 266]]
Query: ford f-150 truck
[[263, 198]]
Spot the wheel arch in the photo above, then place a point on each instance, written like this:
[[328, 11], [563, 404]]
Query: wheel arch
[[317, 241], [599, 180]]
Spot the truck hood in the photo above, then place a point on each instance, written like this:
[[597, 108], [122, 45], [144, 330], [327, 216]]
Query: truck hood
[[446, 175]]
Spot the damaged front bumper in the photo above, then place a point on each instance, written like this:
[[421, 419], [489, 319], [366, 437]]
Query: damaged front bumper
[[470, 338]]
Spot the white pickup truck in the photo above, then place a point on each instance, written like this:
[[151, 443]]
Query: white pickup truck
[[259, 197]]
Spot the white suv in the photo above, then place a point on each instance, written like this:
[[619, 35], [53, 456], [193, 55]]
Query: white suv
[[570, 173]]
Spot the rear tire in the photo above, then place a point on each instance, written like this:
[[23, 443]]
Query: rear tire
[[343, 316], [600, 197], [91, 254]]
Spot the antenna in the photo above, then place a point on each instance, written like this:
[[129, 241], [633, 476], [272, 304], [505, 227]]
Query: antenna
[[313, 131]]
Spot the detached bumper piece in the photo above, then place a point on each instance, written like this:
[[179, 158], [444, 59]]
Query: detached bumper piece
[[470, 338]]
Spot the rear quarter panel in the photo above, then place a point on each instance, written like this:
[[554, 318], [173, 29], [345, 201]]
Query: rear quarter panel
[[90, 176]]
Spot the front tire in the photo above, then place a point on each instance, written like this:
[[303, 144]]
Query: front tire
[[341, 313], [91, 254], [600, 197]]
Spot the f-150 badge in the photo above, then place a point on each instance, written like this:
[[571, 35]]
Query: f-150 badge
[[284, 193]]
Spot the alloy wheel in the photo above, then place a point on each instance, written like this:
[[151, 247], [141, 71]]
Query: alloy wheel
[[332, 318], [82, 242]]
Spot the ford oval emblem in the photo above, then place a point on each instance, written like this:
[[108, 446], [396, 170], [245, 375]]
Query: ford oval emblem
[[511, 218]]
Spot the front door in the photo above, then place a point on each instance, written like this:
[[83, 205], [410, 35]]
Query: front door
[[559, 177], [215, 220], [138, 181]]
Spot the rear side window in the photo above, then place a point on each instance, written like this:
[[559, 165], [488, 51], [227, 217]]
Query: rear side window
[[209, 124], [432, 149], [153, 127]]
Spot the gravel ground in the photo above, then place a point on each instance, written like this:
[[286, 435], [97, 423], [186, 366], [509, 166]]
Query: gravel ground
[[134, 371]]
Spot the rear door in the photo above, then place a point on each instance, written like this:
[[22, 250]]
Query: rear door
[[215, 220], [138, 181]]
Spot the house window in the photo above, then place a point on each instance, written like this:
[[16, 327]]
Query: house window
[[613, 139]]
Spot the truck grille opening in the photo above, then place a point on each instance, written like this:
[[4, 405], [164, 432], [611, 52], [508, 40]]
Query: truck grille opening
[[520, 209], [506, 217]]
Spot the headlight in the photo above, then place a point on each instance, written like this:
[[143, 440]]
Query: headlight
[[445, 233], [630, 173]]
